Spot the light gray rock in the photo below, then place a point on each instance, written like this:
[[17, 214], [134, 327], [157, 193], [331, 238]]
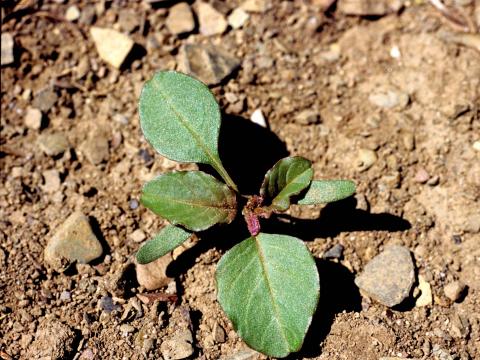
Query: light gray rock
[[112, 46], [72, 13], [73, 241], [247, 354], [180, 19], [307, 117], [238, 18], [335, 252], [153, 275], [51, 180], [388, 278], [179, 346], [209, 63], [212, 22], [33, 119], [365, 159], [45, 100], [454, 290], [7, 49], [389, 99], [53, 144], [369, 7], [95, 149]]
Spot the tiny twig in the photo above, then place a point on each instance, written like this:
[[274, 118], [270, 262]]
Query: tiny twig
[[454, 16]]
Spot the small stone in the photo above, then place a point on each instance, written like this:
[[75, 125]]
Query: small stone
[[106, 304], [153, 275], [7, 55], [208, 63], [258, 118], [365, 159], [425, 298], [95, 149], [133, 204], [45, 100], [238, 18], [179, 346], [72, 13], [33, 119], [258, 6], [308, 117], [73, 241], [88, 15], [53, 340], [211, 21], [335, 252], [53, 144], [128, 20], [409, 141], [180, 19], [389, 99], [476, 144], [454, 290], [138, 236], [112, 46], [126, 329], [247, 354], [83, 68], [65, 296], [218, 333], [369, 7], [422, 176], [388, 278], [51, 180]]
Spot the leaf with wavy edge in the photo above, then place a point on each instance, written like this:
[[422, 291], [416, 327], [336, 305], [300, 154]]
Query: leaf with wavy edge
[[288, 177], [165, 241], [268, 286], [192, 199], [325, 191]]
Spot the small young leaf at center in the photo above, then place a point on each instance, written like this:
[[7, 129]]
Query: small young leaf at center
[[165, 241], [192, 199], [268, 286], [288, 177]]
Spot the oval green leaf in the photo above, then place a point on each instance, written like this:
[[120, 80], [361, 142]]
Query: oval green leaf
[[165, 241], [192, 199], [325, 191], [180, 118], [268, 286], [288, 177]]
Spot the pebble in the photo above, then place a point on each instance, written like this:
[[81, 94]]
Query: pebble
[[389, 99], [422, 176], [365, 159], [112, 46], [180, 19], [72, 13], [258, 6], [247, 354], [238, 18], [153, 275], [128, 20], [126, 329], [133, 204], [138, 236], [53, 144], [258, 118], [45, 100], [179, 346], [211, 21], [74, 240], [53, 340], [33, 119], [106, 304], [454, 290], [388, 278], [83, 68], [95, 149], [65, 295], [208, 63], [218, 333], [335, 252], [307, 117], [369, 8], [476, 144], [7, 55], [51, 180], [426, 297]]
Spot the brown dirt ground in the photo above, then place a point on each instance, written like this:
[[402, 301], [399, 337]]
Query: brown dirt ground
[[288, 65]]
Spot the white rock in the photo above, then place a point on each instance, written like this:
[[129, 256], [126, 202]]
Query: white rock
[[395, 52], [33, 119], [211, 21], [52, 181], [138, 236], [180, 19], [72, 13], [425, 297], [112, 46], [476, 145], [153, 275], [259, 6], [237, 18], [7, 49], [365, 159], [389, 99], [258, 118], [454, 290]]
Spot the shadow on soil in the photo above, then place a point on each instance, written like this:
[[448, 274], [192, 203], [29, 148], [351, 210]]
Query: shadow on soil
[[248, 151]]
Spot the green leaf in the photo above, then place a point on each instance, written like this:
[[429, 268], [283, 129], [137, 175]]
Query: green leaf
[[288, 177], [325, 191], [180, 118], [268, 286], [165, 241], [193, 199]]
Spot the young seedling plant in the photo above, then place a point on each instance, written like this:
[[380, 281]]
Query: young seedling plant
[[268, 284]]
